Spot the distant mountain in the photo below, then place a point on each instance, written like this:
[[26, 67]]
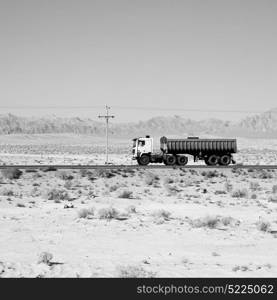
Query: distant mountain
[[262, 125], [13, 124]]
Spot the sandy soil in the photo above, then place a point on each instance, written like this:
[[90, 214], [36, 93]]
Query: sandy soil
[[138, 223]]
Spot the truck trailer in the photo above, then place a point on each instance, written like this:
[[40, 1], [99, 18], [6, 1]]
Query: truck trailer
[[175, 151]]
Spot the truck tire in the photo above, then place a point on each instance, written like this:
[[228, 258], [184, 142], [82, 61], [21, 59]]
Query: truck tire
[[170, 160], [225, 160], [212, 160], [182, 160], [144, 160]]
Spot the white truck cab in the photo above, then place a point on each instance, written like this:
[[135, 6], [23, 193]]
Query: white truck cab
[[142, 145]]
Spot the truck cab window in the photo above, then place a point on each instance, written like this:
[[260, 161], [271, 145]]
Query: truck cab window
[[141, 143]]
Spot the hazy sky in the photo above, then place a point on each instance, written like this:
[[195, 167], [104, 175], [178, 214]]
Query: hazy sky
[[202, 54]]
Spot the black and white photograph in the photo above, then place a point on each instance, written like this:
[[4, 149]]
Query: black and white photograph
[[138, 139]]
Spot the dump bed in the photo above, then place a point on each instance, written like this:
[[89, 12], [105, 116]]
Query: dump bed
[[196, 145]]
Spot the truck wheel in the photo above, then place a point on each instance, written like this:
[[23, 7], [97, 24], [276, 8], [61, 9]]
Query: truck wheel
[[144, 160], [170, 160], [182, 160], [225, 160], [212, 160]]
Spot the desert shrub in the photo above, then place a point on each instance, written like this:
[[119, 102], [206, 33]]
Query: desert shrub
[[240, 268], [210, 174], [207, 221], [57, 194], [263, 226], [102, 173], [20, 204], [162, 214], [131, 209], [11, 173], [193, 172], [150, 178], [254, 186], [113, 188], [125, 194], [274, 189], [253, 196], [262, 174], [86, 212], [45, 258], [220, 192], [7, 192], [108, 213], [240, 193], [214, 221], [65, 175], [227, 221], [172, 190], [68, 184], [273, 198], [133, 272], [85, 172], [35, 192], [125, 172], [168, 180]]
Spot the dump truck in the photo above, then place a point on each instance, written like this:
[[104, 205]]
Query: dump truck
[[175, 151]]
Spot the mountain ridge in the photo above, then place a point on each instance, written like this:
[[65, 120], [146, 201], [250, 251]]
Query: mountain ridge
[[260, 125]]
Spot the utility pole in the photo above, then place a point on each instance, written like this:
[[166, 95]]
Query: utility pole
[[107, 117]]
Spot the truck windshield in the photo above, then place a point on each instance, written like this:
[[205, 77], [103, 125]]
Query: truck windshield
[[134, 143], [141, 143]]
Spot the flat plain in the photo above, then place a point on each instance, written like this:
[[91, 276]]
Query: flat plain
[[134, 223]]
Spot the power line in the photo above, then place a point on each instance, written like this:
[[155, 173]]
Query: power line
[[107, 117], [148, 108]]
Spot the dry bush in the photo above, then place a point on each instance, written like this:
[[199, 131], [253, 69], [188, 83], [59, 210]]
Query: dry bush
[[162, 214], [207, 221], [254, 186], [263, 226], [7, 192], [113, 188], [240, 193], [214, 221], [262, 174], [108, 213], [102, 173], [133, 272], [65, 175], [126, 172], [11, 173], [57, 194], [45, 258], [168, 180], [131, 209], [86, 212], [150, 178], [20, 204], [273, 198], [68, 184], [126, 194], [35, 192], [172, 190], [210, 174], [229, 221], [274, 189]]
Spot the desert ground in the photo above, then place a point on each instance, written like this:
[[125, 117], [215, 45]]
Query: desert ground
[[134, 223]]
